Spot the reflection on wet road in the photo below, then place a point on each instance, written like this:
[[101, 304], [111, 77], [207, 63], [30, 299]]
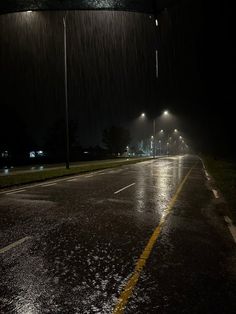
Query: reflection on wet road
[[72, 246]]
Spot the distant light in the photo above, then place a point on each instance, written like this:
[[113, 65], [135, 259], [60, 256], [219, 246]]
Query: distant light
[[32, 154], [143, 115], [166, 112], [152, 137], [162, 131], [180, 137], [175, 130], [41, 167], [40, 153], [86, 152], [156, 21], [6, 171]]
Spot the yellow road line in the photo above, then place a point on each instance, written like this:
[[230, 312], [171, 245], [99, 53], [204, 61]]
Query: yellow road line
[[129, 287]]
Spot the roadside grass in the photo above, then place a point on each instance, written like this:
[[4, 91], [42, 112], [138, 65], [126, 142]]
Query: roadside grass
[[43, 175], [224, 173]]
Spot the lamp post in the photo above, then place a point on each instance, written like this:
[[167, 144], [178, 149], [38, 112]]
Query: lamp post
[[167, 145], [154, 138], [66, 94]]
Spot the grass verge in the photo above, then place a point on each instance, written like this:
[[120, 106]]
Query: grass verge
[[31, 177], [224, 173]]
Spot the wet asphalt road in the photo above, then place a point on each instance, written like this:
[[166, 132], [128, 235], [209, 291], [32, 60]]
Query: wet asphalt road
[[82, 236]]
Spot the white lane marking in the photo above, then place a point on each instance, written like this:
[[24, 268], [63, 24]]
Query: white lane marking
[[216, 194], [49, 184], [13, 245], [126, 187], [231, 227], [72, 180], [14, 192]]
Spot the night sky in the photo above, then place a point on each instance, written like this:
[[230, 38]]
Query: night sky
[[111, 65]]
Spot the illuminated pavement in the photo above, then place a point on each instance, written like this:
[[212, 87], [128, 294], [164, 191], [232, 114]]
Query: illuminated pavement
[[72, 246]]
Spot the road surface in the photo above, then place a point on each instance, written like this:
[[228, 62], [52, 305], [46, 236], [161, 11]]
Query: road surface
[[144, 238]]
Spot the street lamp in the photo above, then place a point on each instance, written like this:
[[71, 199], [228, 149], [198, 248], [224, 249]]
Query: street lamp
[[166, 113], [66, 93]]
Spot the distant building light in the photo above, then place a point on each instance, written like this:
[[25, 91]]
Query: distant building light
[[32, 154], [29, 11], [5, 154], [40, 152], [86, 152], [156, 21]]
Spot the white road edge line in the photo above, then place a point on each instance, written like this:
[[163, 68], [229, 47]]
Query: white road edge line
[[231, 227], [46, 185], [17, 191], [216, 194], [205, 170], [72, 180], [207, 175], [41, 184], [126, 187], [54, 181], [13, 245]]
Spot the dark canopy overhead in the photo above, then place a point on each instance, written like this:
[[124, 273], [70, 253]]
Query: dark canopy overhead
[[145, 6]]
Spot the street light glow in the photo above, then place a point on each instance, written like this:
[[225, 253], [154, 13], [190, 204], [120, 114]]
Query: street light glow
[[156, 21], [175, 130], [166, 112], [143, 115]]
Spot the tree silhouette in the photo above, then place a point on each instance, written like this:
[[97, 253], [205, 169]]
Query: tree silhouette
[[116, 139]]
